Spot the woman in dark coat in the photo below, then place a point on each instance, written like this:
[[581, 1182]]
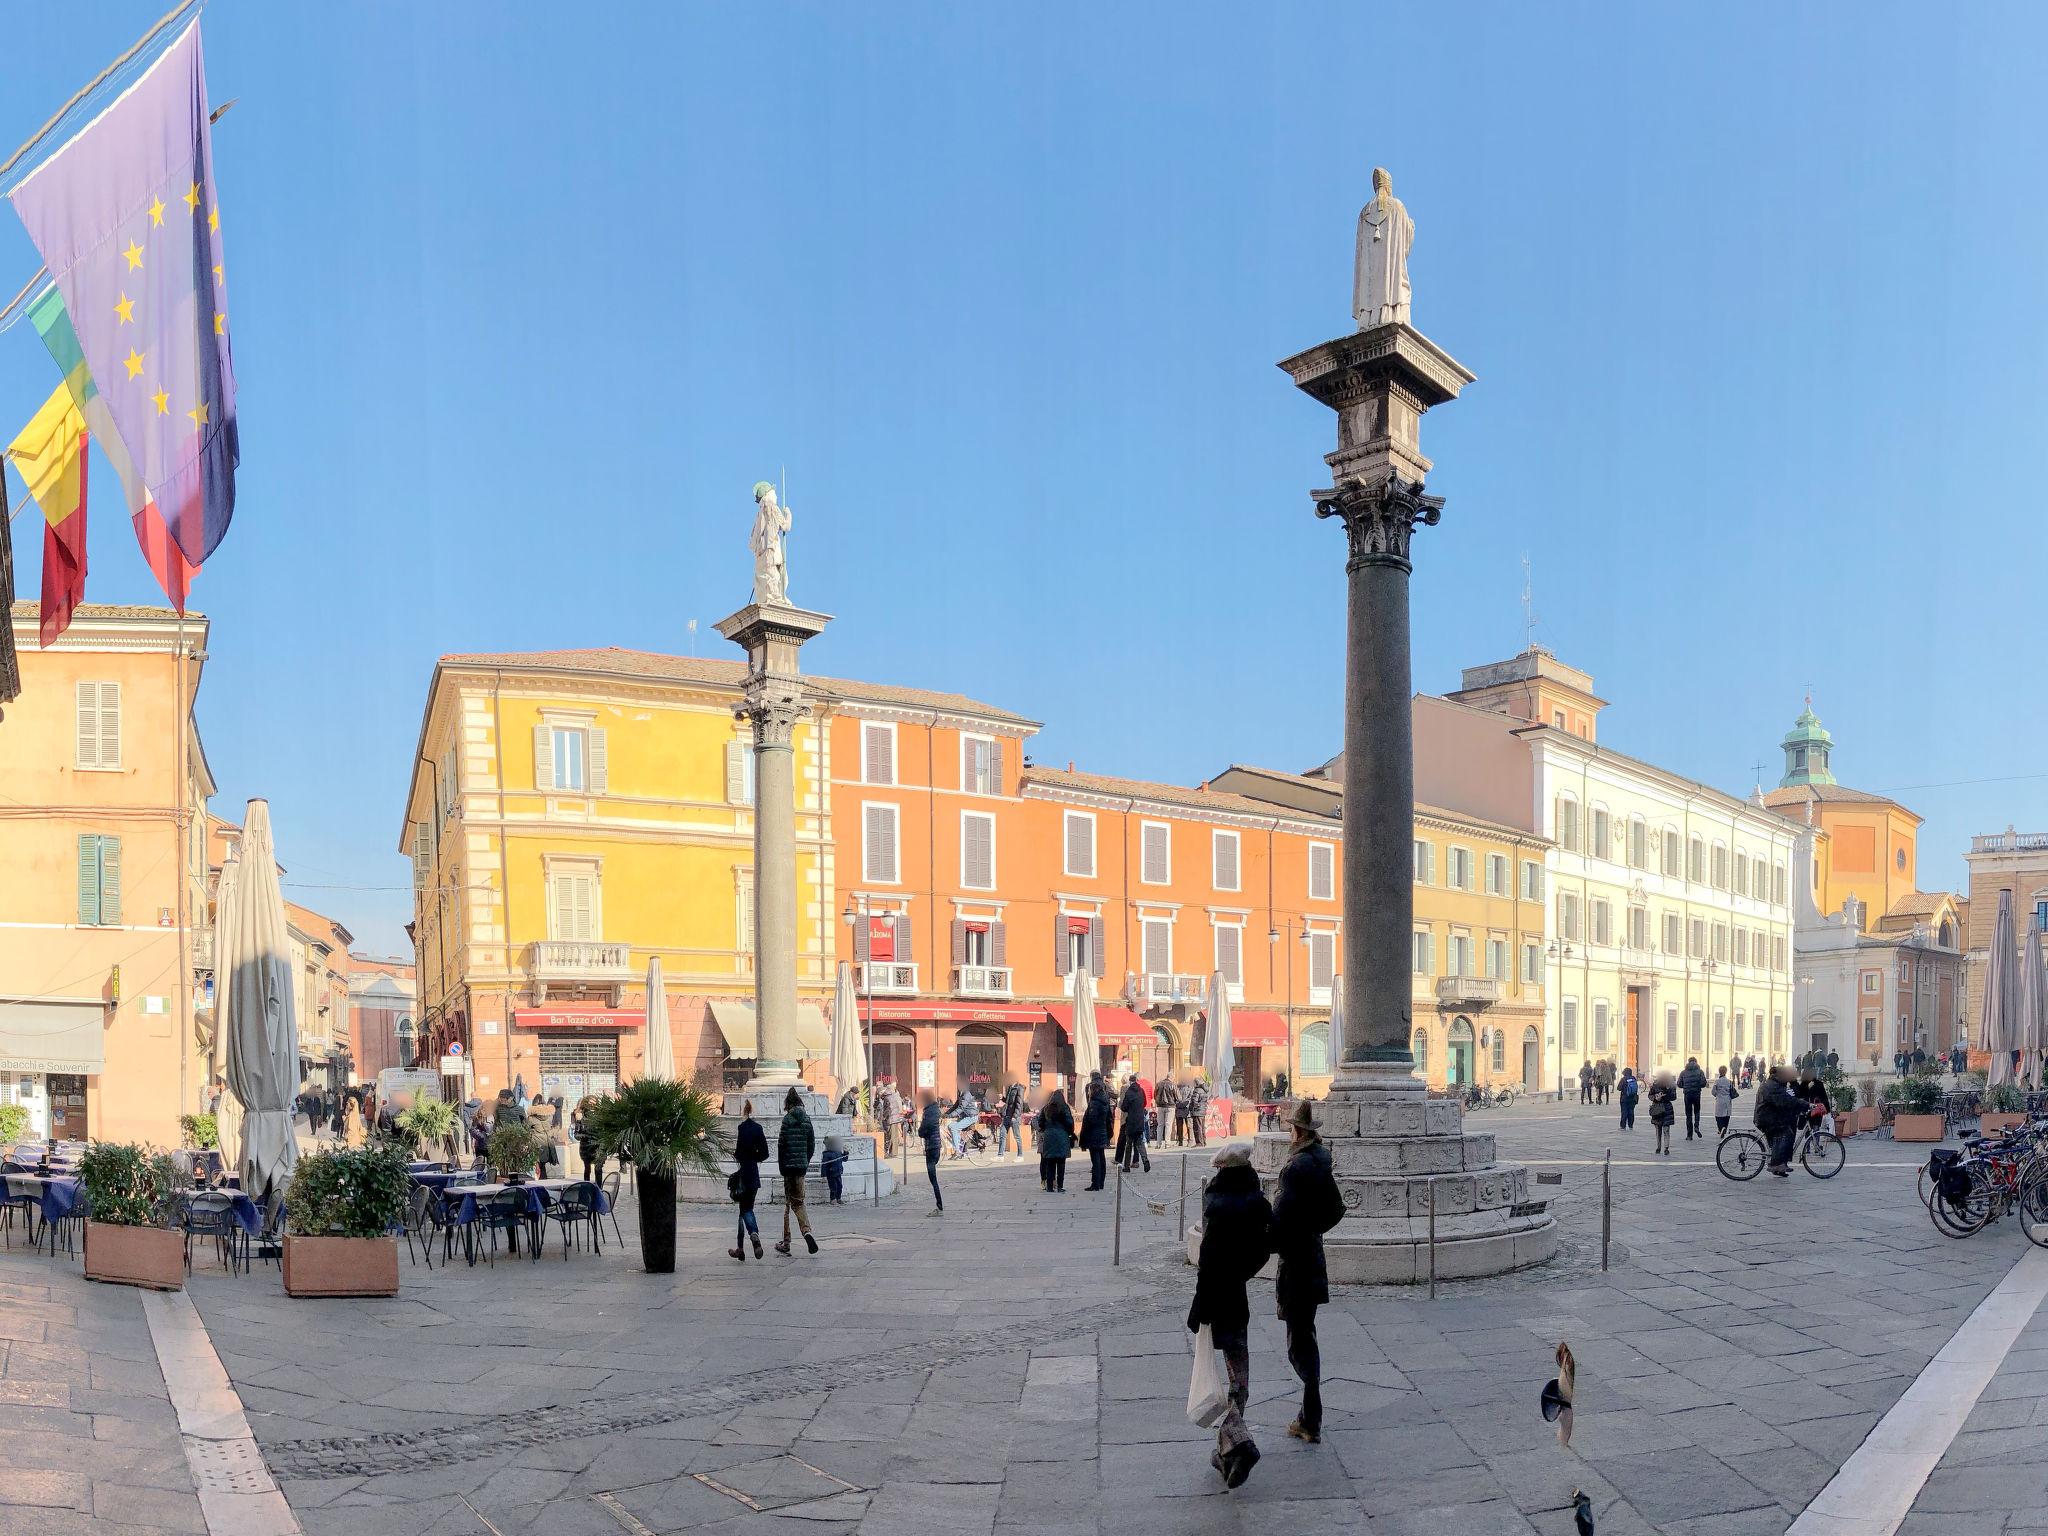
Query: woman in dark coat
[[1237, 1239], [1663, 1110], [1095, 1126], [750, 1151], [929, 1131], [1055, 1142]]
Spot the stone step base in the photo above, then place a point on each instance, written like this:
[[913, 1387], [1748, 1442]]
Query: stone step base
[[1405, 1259]]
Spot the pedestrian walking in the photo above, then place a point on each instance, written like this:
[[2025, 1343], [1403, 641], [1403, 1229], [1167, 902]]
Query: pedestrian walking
[[1630, 1088], [1237, 1239], [1198, 1111], [1012, 1127], [889, 1115], [794, 1143], [832, 1163], [1585, 1082], [750, 1151], [1692, 1081], [1663, 1110], [1724, 1090], [1095, 1118], [1777, 1117], [1603, 1080], [1163, 1101], [1055, 1142], [1131, 1136], [928, 1129], [1307, 1205], [353, 1132]]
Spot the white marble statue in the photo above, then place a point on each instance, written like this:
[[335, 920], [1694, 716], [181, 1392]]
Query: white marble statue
[[771, 566], [1379, 283]]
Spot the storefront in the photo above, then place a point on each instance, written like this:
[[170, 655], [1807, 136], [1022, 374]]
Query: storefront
[[48, 1051], [1128, 1042], [948, 1046], [573, 1050]]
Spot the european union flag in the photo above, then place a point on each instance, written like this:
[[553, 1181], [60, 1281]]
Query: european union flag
[[126, 220]]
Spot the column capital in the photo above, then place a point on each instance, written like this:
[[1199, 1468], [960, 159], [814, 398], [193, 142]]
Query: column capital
[[1379, 517], [773, 704]]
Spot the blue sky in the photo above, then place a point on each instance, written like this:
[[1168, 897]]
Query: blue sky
[[524, 301]]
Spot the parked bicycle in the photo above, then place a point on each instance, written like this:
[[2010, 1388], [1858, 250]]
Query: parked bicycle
[[1966, 1191], [1742, 1155], [1499, 1097]]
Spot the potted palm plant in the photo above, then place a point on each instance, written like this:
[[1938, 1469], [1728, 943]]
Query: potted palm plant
[[340, 1209], [660, 1127], [430, 1123], [515, 1147], [131, 1201]]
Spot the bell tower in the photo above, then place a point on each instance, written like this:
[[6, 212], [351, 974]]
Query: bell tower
[[1807, 749]]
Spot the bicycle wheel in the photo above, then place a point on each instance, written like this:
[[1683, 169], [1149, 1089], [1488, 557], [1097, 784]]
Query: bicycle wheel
[[2033, 1206], [1967, 1211], [1823, 1155], [1741, 1155]]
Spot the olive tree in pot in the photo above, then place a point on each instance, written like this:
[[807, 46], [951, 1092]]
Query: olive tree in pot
[[340, 1211], [131, 1203], [660, 1127]]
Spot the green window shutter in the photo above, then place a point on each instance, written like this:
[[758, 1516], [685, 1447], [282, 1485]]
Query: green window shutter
[[110, 881], [598, 751], [88, 879]]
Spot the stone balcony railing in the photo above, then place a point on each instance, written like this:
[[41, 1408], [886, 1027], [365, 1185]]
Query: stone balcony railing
[[885, 978], [981, 981], [574, 960], [2010, 841], [1467, 991], [1161, 987]]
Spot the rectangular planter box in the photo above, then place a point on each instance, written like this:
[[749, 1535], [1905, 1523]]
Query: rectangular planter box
[[145, 1256], [341, 1266], [1918, 1128], [1997, 1120], [1869, 1117]]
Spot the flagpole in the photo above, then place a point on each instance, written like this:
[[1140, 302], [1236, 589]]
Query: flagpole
[[97, 81], [183, 833]]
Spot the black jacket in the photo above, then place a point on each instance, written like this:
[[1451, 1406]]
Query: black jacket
[[750, 1151], [1013, 1103], [1306, 1205], [1133, 1104], [795, 1142], [1237, 1239], [1661, 1099], [1056, 1129], [928, 1128], [1777, 1108], [1095, 1123], [1692, 1080]]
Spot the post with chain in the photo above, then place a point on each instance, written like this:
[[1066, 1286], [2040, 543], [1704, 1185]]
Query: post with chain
[[875, 1162], [1180, 1230], [1116, 1242], [1432, 1239], [1606, 1207]]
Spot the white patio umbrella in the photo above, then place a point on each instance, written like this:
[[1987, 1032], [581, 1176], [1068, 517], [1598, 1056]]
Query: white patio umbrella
[[849, 1060], [661, 1050], [2033, 1010], [1216, 1054], [1336, 1025], [2000, 1025], [225, 900], [258, 1015], [1087, 1043]]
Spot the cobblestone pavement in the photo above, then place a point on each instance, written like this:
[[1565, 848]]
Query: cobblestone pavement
[[992, 1372]]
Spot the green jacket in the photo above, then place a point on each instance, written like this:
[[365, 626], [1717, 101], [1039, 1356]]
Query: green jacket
[[795, 1142]]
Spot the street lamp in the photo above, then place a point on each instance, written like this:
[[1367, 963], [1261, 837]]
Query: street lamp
[[857, 912], [1558, 953], [1273, 937]]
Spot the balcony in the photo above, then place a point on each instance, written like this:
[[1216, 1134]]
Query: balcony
[[981, 981], [202, 949], [1162, 987], [1467, 991], [886, 978], [579, 960], [2010, 842]]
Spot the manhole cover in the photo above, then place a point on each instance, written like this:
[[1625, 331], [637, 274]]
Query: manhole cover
[[775, 1482]]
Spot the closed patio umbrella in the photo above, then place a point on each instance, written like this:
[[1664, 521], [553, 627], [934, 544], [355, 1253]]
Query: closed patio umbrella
[[2033, 1010], [1217, 1054], [1336, 1026], [258, 1016], [849, 1061], [661, 1051], [1087, 1044], [2001, 980], [225, 900]]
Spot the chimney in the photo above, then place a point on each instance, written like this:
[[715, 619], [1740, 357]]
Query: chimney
[[1070, 765]]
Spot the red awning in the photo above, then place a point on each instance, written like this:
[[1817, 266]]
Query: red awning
[[952, 1013], [1112, 1024], [1254, 1026], [579, 1016]]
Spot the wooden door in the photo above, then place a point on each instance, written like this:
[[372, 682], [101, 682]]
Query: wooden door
[[1632, 1023]]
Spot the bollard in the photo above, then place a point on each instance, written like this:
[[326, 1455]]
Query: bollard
[[1116, 1242], [1432, 1239], [1180, 1231], [875, 1164], [1606, 1207]]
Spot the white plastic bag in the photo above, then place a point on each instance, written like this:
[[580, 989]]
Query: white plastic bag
[[1827, 1123], [1208, 1384]]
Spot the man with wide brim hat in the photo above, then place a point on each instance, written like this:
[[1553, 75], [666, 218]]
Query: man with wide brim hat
[[1307, 1204]]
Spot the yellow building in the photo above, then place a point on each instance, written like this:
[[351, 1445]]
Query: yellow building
[[1864, 845], [102, 905]]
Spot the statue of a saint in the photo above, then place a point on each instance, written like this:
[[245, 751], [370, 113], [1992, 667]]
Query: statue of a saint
[[1379, 283], [771, 568]]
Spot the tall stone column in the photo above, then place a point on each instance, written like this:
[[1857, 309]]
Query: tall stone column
[[772, 634]]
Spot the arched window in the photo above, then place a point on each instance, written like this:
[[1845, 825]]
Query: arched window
[[1314, 1051], [1420, 1047], [1948, 934], [1500, 1050]]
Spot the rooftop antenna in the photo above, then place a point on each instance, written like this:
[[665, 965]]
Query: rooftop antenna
[[692, 627], [1528, 608]]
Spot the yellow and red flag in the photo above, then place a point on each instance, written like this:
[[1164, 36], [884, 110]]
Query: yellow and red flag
[[50, 454]]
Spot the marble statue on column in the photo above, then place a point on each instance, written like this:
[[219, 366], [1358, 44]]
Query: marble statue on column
[[771, 566], [1379, 283]]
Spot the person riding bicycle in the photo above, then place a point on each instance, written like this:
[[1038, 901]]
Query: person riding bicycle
[[964, 1115], [1778, 1113]]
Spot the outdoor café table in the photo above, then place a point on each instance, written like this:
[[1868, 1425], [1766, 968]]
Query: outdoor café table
[[464, 1201], [430, 1177], [56, 1195], [244, 1210]]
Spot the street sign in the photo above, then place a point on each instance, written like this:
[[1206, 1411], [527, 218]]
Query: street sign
[[455, 1049]]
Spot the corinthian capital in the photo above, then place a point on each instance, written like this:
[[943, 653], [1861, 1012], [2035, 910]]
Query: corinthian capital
[[773, 706], [1379, 517]]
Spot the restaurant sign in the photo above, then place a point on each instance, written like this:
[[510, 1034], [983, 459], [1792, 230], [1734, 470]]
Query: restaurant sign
[[572, 1016]]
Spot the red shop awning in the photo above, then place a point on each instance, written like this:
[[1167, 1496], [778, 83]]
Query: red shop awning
[[1112, 1024], [592, 1016], [1255, 1026], [887, 1012]]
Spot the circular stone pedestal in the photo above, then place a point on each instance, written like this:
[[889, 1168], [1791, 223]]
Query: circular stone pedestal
[[1392, 1147]]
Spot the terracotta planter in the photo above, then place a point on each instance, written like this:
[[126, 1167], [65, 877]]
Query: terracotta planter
[[146, 1256], [1868, 1118], [1993, 1120], [341, 1266], [1907, 1127]]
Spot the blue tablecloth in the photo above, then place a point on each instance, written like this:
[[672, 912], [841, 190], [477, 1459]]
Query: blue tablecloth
[[461, 1204], [429, 1178], [58, 1195], [247, 1215]]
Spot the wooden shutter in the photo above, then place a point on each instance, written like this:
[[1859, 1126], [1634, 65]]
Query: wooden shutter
[[978, 852], [878, 757], [110, 725], [878, 843], [1156, 855], [88, 725], [1096, 956], [598, 772], [902, 921], [543, 756], [422, 857], [735, 773], [959, 942], [995, 767], [1060, 966], [88, 878], [110, 881], [1158, 946], [1080, 845], [1230, 954], [1322, 874], [1322, 959], [998, 944], [1223, 858], [861, 948]]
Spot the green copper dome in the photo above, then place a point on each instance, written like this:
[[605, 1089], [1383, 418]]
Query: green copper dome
[[1807, 749]]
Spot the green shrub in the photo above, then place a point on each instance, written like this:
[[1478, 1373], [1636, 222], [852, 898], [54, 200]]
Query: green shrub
[[2005, 1099], [127, 1184], [348, 1192], [515, 1147], [201, 1131], [1891, 1092], [657, 1125], [1919, 1095], [13, 1123]]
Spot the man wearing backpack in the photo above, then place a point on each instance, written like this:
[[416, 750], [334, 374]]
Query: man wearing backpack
[[1306, 1206]]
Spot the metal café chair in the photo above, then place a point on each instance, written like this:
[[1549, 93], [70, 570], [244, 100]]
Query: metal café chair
[[212, 1214], [25, 1198], [576, 1207], [508, 1211], [611, 1203], [421, 1222]]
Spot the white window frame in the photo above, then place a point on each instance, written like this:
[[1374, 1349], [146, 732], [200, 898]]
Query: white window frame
[[1217, 837], [995, 758], [743, 936], [867, 869], [1328, 854], [1067, 820], [1674, 933], [555, 866], [1499, 874], [965, 817], [1422, 945], [1145, 924], [1532, 962], [1424, 860], [1145, 830], [1458, 953], [1455, 857], [1532, 880], [1317, 937], [557, 729], [888, 727], [1216, 939]]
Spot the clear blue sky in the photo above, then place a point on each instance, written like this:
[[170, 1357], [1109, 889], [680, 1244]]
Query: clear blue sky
[[524, 301]]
